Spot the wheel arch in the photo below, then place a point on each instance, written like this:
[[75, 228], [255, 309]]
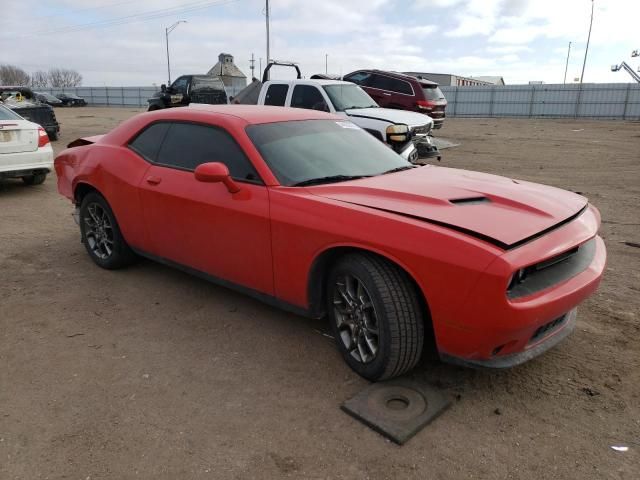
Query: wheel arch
[[81, 189], [321, 265]]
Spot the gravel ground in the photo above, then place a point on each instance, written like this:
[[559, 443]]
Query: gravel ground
[[151, 373]]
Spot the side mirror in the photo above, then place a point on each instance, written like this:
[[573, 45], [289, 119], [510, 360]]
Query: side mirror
[[163, 87], [216, 172]]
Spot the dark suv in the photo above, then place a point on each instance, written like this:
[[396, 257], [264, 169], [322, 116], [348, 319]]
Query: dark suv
[[404, 92]]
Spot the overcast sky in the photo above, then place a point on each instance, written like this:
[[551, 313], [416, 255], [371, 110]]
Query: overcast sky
[[115, 42]]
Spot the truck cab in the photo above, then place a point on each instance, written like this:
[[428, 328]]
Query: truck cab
[[188, 89], [406, 132]]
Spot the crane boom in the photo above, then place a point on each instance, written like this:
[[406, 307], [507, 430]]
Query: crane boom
[[630, 71]]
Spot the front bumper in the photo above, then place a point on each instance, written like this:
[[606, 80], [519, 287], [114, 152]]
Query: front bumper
[[486, 327], [535, 348], [407, 151], [426, 149]]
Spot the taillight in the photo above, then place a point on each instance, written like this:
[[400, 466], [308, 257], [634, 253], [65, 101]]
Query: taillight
[[425, 105], [43, 138]]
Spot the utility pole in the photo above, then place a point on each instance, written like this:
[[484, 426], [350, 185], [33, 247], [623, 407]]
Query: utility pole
[[167, 31], [252, 62], [584, 64], [567, 65], [267, 17]]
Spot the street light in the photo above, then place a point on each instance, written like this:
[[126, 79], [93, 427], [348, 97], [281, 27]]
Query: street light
[[167, 31]]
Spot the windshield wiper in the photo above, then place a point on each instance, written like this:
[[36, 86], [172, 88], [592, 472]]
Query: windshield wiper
[[399, 169], [328, 179]]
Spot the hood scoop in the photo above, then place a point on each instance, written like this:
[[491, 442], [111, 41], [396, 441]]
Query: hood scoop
[[469, 201]]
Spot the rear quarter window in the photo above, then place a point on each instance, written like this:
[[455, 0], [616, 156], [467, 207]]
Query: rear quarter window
[[391, 84], [147, 143]]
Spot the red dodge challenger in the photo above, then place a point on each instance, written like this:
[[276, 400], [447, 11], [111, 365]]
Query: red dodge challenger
[[306, 211]]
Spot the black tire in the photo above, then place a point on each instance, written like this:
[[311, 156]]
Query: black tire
[[53, 136], [101, 234], [153, 108], [399, 318], [36, 179]]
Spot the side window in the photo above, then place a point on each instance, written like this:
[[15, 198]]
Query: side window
[[360, 78], [180, 85], [276, 94], [391, 84], [147, 143], [308, 96], [188, 145]]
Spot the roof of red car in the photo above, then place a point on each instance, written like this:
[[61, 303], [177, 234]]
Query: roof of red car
[[262, 114]]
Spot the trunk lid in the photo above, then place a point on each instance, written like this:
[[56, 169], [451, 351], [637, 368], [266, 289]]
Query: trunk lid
[[17, 136], [500, 210]]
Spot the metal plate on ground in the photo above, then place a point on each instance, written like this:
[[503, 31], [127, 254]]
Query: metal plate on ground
[[397, 409], [443, 143]]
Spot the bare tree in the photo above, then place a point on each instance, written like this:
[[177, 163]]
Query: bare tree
[[63, 77], [12, 75], [39, 79]]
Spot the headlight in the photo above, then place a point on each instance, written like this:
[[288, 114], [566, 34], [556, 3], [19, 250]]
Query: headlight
[[397, 133], [517, 277]]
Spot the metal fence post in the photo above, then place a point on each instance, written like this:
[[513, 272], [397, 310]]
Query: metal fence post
[[626, 102], [455, 101], [491, 100], [575, 114], [106, 93], [533, 92]]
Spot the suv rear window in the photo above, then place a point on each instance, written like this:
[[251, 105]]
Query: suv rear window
[[432, 93]]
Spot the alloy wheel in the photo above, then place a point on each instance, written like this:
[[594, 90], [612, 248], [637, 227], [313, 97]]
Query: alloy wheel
[[98, 231], [356, 319]]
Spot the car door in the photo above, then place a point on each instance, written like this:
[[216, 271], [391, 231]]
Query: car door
[[309, 97], [276, 94], [201, 225], [179, 92]]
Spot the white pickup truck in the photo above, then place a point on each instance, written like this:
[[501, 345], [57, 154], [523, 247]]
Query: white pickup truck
[[408, 133]]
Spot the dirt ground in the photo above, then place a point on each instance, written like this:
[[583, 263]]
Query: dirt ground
[[151, 373]]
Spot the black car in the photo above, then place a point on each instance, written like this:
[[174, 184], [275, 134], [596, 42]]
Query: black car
[[190, 89], [71, 100], [47, 98], [22, 101]]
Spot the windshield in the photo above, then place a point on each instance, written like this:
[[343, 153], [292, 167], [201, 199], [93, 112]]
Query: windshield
[[48, 96], [6, 114], [432, 93], [348, 96], [299, 151]]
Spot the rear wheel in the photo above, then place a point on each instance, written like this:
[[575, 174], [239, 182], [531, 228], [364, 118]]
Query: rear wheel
[[35, 179], [375, 315], [101, 235]]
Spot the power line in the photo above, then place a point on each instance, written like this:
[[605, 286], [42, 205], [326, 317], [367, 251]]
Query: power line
[[67, 12], [138, 17]]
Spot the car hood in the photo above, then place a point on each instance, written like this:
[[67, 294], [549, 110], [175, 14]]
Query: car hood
[[500, 210], [412, 119]]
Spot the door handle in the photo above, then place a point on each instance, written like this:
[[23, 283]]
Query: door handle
[[387, 94], [152, 180]]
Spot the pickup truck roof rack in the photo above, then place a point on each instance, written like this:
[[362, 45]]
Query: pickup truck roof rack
[[265, 75]]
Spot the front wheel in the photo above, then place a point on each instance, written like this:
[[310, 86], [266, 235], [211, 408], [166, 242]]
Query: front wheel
[[101, 234], [376, 317]]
